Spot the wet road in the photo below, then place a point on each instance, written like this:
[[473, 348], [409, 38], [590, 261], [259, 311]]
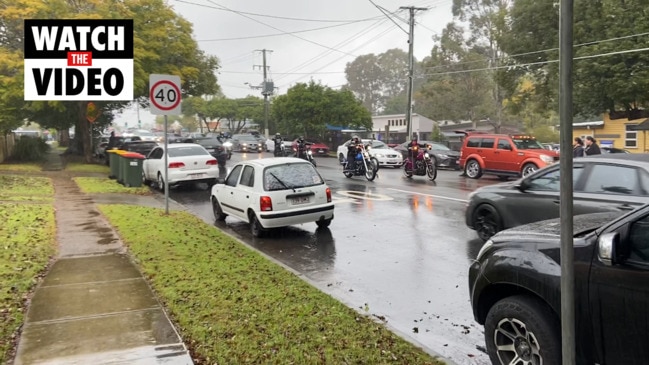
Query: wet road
[[397, 248]]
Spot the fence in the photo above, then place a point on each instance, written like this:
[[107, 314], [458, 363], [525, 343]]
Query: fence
[[6, 146]]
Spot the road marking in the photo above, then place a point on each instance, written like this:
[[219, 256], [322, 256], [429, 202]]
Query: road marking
[[431, 195], [363, 195], [337, 200]]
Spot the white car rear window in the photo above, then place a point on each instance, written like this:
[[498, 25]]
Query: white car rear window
[[291, 176], [187, 151]]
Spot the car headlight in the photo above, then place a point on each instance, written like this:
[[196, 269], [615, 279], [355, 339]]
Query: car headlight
[[487, 245], [547, 159], [244, 144], [379, 155]]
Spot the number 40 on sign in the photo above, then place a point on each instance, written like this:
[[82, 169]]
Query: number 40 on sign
[[164, 94]]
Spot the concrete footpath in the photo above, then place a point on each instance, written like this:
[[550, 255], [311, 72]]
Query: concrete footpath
[[94, 306]]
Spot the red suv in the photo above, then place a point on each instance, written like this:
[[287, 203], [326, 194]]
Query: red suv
[[503, 155]]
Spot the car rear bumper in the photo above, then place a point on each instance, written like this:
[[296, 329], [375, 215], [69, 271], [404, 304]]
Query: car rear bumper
[[296, 216], [176, 177]]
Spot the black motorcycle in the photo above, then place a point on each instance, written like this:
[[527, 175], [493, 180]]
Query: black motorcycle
[[303, 151], [362, 164], [280, 149]]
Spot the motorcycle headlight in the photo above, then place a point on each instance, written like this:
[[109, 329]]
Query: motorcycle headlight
[[547, 159], [244, 144], [228, 144], [368, 148], [426, 155], [309, 152]]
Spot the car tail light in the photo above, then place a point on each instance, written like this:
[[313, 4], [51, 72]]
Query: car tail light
[[211, 162], [328, 195], [265, 203], [176, 165]]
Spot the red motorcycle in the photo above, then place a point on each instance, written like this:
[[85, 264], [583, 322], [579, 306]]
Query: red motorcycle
[[423, 164]]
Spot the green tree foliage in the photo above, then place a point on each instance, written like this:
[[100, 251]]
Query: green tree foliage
[[162, 44], [306, 109], [601, 27], [375, 79]]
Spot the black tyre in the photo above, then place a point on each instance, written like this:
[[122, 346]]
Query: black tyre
[[528, 168], [218, 212], [375, 162], [407, 173], [323, 223], [431, 171], [472, 169], [161, 183], [370, 173], [522, 330], [486, 221], [255, 227], [145, 181]]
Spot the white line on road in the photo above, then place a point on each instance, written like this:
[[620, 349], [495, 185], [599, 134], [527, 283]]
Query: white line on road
[[432, 195]]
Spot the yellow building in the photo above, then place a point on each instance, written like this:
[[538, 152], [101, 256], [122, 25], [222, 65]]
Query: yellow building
[[621, 133]]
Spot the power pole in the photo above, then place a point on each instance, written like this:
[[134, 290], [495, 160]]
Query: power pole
[[266, 89], [411, 63]]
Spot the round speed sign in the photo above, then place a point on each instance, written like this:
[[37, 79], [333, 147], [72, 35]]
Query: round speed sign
[[164, 94]]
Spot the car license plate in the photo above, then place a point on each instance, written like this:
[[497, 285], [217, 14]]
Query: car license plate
[[300, 200], [197, 176]]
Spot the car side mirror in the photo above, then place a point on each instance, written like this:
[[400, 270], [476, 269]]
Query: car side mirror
[[523, 185], [607, 248]]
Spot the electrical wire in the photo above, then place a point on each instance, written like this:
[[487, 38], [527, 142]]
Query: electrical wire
[[282, 73], [386, 14], [535, 63], [280, 17], [277, 29]]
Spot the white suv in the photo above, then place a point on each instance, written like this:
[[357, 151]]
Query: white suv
[[273, 192]]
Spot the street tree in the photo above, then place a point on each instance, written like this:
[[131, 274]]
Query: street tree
[[306, 109]]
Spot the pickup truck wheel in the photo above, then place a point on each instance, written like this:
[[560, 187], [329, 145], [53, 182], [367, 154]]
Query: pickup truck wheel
[[522, 330], [473, 169], [528, 169], [486, 221]]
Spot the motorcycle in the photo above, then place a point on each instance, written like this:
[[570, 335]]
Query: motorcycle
[[280, 149], [362, 165], [422, 166], [303, 151]]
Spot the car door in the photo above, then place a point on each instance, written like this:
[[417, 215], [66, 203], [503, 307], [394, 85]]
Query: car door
[[227, 198], [487, 152], [244, 191], [153, 163], [612, 187], [504, 159], [619, 298], [538, 199]]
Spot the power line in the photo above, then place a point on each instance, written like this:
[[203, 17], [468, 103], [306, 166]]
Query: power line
[[386, 14], [283, 73], [545, 50], [270, 26], [537, 63], [274, 34], [280, 17]]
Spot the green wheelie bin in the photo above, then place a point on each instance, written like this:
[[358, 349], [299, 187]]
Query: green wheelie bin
[[132, 169], [120, 166], [113, 162]]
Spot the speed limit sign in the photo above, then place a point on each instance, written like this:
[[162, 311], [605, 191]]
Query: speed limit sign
[[164, 94]]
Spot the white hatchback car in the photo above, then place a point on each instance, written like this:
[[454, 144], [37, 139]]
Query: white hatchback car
[[384, 154], [188, 163], [273, 192]]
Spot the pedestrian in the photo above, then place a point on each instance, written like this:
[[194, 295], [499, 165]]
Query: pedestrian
[[578, 148], [591, 147], [112, 141]]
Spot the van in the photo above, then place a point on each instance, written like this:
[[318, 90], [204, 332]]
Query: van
[[503, 155]]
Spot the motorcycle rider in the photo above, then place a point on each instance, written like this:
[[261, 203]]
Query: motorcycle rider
[[301, 148], [279, 141], [413, 150], [352, 151]]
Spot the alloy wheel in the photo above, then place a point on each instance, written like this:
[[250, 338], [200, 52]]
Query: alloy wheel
[[515, 344]]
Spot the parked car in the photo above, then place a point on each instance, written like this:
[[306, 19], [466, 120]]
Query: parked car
[[213, 146], [440, 153], [187, 163], [317, 148], [613, 150], [514, 285], [385, 155], [145, 135], [246, 143], [503, 155], [273, 192], [141, 147], [611, 182]]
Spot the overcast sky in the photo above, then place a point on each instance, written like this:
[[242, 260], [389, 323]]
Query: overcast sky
[[328, 35]]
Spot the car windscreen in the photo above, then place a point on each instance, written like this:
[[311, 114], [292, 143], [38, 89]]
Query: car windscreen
[[377, 144], [441, 147], [207, 141], [527, 144], [187, 151], [244, 137], [291, 176]]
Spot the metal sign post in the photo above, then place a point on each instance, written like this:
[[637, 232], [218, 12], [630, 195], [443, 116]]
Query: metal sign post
[[165, 98], [566, 196]]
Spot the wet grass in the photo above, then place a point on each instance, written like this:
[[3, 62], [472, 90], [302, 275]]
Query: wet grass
[[99, 185], [27, 241], [85, 167], [20, 167], [233, 306]]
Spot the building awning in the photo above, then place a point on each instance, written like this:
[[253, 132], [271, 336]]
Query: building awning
[[643, 126]]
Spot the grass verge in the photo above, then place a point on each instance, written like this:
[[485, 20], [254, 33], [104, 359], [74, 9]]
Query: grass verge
[[98, 185], [233, 306], [20, 167], [27, 241], [86, 167]]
